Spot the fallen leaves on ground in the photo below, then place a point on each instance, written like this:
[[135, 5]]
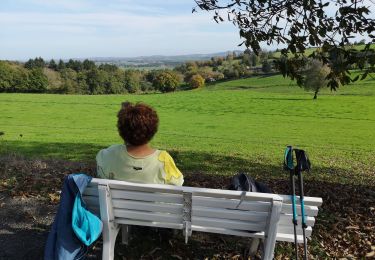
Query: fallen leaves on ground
[[29, 178], [345, 227]]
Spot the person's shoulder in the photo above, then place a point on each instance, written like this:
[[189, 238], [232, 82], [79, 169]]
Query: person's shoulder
[[116, 147], [172, 174], [164, 156], [113, 149]]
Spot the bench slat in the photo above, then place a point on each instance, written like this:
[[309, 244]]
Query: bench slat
[[279, 237], [147, 206], [93, 183], [91, 201], [231, 204], [91, 191], [146, 196], [246, 196], [253, 196], [309, 201], [154, 188], [229, 224], [288, 237], [227, 231], [148, 216], [125, 221], [311, 211], [290, 230], [286, 219], [229, 214]]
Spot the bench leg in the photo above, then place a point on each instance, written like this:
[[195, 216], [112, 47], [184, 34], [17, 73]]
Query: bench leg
[[254, 246], [110, 228], [125, 230], [271, 232], [110, 232]]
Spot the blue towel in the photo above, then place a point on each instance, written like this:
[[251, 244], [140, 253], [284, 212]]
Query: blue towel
[[86, 225]]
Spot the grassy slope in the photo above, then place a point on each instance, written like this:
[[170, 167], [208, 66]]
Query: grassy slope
[[310, 50], [237, 125]]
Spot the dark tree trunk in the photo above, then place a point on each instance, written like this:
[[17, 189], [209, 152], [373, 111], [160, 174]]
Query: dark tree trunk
[[316, 94]]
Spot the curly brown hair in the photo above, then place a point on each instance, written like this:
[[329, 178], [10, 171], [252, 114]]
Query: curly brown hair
[[137, 124]]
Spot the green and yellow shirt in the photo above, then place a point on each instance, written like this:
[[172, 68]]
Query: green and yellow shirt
[[116, 163]]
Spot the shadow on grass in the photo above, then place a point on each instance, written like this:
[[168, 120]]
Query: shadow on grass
[[57, 150], [268, 75], [247, 87], [189, 161], [282, 98]]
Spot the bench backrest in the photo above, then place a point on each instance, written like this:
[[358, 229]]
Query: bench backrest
[[286, 230], [208, 210], [233, 212], [133, 205]]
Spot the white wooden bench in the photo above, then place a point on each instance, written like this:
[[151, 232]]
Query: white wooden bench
[[248, 214]]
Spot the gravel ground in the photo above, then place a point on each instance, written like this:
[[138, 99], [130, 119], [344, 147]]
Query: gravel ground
[[24, 225]]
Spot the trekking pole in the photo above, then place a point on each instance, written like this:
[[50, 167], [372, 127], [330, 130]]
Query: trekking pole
[[304, 226], [303, 163], [288, 163], [295, 223]]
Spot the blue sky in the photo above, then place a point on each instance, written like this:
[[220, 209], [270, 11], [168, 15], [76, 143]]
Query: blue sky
[[111, 28], [108, 28]]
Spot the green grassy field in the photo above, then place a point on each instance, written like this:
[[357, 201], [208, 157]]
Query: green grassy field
[[237, 125], [311, 50]]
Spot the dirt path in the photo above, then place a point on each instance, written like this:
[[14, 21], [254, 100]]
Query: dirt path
[[29, 193], [24, 225]]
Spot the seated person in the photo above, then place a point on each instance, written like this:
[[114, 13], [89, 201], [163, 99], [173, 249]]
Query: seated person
[[136, 160]]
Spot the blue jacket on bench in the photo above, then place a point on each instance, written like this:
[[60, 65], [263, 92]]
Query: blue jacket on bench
[[74, 227]]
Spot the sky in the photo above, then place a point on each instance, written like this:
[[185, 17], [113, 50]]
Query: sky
[[109, 28], [112, 28]]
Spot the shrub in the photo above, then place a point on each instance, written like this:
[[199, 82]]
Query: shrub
[[166, 81], [196, 81], [266, 66]]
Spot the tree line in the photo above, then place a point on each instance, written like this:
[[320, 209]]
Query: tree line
[[85, 77], [81, 77]]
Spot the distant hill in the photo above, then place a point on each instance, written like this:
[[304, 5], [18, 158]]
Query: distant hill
[[158, 60]]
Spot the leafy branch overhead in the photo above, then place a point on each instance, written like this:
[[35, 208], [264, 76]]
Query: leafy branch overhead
[[300, 24]]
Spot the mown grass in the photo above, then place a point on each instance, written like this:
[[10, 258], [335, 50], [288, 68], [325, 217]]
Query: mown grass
[[240, 125], [236, 125], [309, 51]]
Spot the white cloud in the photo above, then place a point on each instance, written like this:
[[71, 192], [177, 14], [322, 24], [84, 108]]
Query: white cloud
[[71, 5], [114, 21], [111, 34]]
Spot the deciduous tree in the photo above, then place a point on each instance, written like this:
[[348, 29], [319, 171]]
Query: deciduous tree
[[266, 66], [38, 82], [300, 24], [166, 81], [196, 81], [315, 76], [132, 81]]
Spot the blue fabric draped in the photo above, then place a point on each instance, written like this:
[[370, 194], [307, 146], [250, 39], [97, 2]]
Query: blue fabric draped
[[74, 227]]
